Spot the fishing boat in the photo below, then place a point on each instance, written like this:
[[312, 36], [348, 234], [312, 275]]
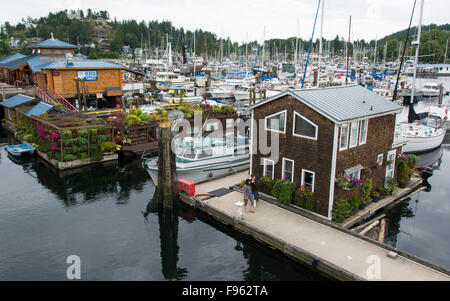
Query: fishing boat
[[198, 159], [19, 150]]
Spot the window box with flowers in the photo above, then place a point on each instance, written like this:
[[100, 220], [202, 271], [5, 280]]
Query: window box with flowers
[[305, 198], [347, 182]]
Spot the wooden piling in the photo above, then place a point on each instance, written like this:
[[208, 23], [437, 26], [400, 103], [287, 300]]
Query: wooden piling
[[166, 192]]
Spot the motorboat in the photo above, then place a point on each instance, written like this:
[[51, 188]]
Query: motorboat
[[430, 89], [20, 150], [198, 159], [425, 134]]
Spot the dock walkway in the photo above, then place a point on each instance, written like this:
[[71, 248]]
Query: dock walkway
[[332, 252]]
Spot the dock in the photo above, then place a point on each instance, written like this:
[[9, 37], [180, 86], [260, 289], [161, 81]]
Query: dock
[[337, 253]]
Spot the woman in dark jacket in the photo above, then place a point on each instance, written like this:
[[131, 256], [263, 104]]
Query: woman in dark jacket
[[253, 183], [248, 195]]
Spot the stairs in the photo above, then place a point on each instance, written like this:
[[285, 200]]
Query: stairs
[[51, 97]]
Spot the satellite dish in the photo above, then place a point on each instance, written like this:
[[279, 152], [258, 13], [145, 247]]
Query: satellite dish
[[175, 115]]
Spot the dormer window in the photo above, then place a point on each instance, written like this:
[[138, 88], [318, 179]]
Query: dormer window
[[276, 122], [304, 128]]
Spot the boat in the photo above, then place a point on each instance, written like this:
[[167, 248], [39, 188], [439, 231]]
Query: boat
[[425, 134], [19, 150], [198, 159], [430, 89]]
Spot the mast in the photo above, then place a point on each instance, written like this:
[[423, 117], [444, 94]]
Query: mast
[[417, 50], [296, 49], [375, 54], [445, 56], [403, 53], [348, 50], [194, 57], [310, 44], [320, 47]]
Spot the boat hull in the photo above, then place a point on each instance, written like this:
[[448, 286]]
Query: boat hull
[[422, 144], [202, 173]]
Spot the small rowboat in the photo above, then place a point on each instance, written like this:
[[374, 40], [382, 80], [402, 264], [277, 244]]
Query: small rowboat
[[19, 150]]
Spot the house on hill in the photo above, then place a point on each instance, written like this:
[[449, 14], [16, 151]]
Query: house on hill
[[326, 133]]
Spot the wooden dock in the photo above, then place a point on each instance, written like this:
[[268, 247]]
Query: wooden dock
[[337, 253]]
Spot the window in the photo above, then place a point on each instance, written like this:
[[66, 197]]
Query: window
[[380, 159], [288, 169], [344, 137], [268, 168], [276, 122], [303, 127], [353, 134], [363, 131], [308, 179], [390, 167], [354, 172]]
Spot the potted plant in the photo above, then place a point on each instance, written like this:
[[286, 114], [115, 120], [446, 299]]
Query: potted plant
[[355, 203], [404, 174], [376, 196], [391, 185]]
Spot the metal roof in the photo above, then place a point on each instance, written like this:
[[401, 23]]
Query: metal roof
[[38, 109], [16, 100], [52, 43], [341, 103], [82, 64], [11, 58]]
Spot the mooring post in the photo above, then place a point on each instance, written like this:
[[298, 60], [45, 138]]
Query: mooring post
[[167, 190]]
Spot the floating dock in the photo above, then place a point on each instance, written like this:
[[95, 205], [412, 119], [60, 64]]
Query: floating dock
[[335, 252]]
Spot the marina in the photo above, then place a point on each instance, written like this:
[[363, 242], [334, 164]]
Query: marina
[[139, 149]]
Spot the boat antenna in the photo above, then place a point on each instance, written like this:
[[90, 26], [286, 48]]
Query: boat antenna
[[403, 53], [310, 44]]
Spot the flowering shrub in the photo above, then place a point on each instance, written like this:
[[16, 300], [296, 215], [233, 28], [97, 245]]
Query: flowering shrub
[[305, 198]]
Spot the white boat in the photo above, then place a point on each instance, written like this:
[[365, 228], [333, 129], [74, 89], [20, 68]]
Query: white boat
[[425, 135], [199, 160], [430, 89]]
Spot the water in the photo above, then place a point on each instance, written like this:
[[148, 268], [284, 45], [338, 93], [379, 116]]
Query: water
[[421, 225], [104, 215]]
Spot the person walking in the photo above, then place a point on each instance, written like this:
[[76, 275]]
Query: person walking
[[248, 195], [254, 186]]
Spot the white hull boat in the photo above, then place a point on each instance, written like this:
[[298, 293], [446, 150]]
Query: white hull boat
[[200, 164], [421, 138]]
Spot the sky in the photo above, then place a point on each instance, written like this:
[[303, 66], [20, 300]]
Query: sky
[[243, 20]]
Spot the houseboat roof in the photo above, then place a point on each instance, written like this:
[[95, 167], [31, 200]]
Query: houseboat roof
[[38, 109], [52, 43], [341, 103], [16, 100], [11, 58], [76, 64]]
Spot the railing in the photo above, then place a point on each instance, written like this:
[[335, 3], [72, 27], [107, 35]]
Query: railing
[[53, 98], [400, 134]]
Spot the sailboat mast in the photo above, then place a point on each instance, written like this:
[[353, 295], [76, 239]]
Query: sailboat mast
[[348, 50], [445, 56], [320, 42], [417, 50], [310, 45]]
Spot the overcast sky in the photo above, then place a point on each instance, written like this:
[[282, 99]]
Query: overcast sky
[[241, 18]]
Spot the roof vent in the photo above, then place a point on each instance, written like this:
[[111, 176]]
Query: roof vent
[[371, 108]]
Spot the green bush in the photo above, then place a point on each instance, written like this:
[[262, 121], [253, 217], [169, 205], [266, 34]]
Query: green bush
[[285, 195], [341, 210], [67, 134], [404, 172], [83, 157], [366, 190], [276, 188], [69, 157], [82, 140], [354, 203], [108, 146], [383, 190], [83, 133], [413, 160], [392, 186], [96, 154]]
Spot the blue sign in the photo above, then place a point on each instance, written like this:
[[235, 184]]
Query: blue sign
[[88, 75]]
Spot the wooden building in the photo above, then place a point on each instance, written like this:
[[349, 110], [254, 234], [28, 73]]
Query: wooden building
[[324, 133], [10, 106]]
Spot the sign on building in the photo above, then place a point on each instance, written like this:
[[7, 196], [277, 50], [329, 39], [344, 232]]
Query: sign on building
[[88, 75]]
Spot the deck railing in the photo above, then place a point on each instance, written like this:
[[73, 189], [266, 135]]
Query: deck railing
[[53, 98]]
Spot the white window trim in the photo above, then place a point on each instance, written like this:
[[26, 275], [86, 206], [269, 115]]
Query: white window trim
[[273, 167], [303, 178], [394, 153], [350, 134], [340, 138], [367, 128], [283, 169], [382, 158], [307, 120], [278, 113]]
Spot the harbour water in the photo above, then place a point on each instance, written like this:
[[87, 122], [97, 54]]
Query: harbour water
[[104, 215]]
